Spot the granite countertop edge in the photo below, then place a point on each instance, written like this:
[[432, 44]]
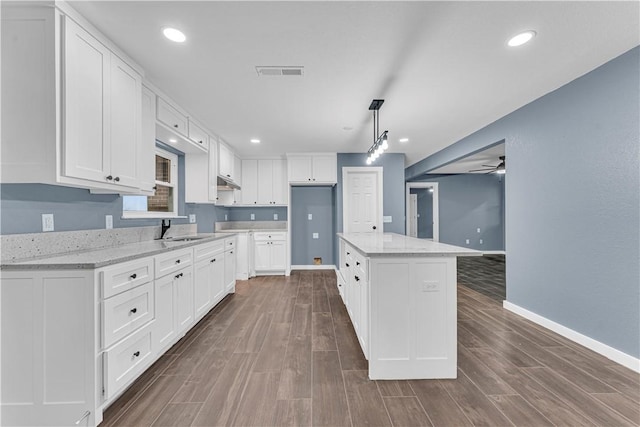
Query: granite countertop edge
[[451, 250], [104, 257]]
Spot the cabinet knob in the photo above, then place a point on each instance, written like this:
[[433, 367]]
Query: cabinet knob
[[347, 264], [231, 252], [375, 228], [116, 179], [133, 276], [200, 142], [348, 253], [109, 178], [314, 179], [357, 278], [136, 354], [309, 179], [179, 275], [228, 176], [175, 126], [357, 262], [177, 261], [213, 260], [134, 310]]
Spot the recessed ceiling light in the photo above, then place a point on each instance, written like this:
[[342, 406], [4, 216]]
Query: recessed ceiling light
[[255, 141], [174, 35], [404, 140], [347, 128], [173, 140], [522, 38]]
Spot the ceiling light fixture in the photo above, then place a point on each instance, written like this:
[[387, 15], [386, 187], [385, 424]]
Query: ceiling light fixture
[[255, 141], [174, 35], [380, 141], [522, 38]]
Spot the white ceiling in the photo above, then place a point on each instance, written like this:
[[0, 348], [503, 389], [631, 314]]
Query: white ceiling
[[443, 68], [490, 156]]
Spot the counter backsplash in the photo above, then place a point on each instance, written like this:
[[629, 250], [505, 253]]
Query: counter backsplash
[[251, 225], [32, 245]]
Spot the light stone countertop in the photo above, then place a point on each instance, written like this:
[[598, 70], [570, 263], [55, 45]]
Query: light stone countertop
[[392, 244], [96, 258]]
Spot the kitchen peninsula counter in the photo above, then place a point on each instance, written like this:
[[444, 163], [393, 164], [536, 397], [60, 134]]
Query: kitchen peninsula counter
[[400, 293]]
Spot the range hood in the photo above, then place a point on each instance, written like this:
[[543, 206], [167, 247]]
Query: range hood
[[225, 183]]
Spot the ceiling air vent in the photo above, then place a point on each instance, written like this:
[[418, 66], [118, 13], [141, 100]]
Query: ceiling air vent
[[279, 70]]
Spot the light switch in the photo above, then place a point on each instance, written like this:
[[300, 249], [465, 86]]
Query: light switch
[[429, 286], [480, 241], [478, 229], [253, 217], [310, 217], [275, 217], [316, 236], [387, 218], [226, 217], [192, 218], [108, 222], [47, 222], [467, 241]]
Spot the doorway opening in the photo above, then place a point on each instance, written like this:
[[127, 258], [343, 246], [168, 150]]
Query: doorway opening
[[422, 211]]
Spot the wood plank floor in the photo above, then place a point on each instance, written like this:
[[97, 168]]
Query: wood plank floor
[[282, 352]]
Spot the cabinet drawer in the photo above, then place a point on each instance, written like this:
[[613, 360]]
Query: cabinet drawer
[[265, 235], [229, 243], [198, 135], [127, 360], [208, 250], [122, 277], [171, 117], [126, 312], [173, 261]]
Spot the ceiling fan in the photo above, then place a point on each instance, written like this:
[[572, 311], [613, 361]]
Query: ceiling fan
[[500, 168]]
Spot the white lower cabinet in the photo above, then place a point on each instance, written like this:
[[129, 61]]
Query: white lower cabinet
[[270, 252], [73, 341]]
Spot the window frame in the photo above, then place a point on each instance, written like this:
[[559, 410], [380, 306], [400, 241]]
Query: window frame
[[173, 178]]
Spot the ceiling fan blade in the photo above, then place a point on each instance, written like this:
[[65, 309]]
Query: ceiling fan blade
[[489, 166], [482, 170]]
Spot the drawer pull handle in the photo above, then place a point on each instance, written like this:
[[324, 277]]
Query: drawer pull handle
[[347, 264], [85, 415], [177, 261], [116, 179], [213, 260], [133, 276], [136, 354], [357, 278], [109, 178], [179, 275], [134, 310]]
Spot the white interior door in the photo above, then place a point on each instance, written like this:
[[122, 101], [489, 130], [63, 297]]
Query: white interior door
[[362, 199], [409, 227], [413, 215]]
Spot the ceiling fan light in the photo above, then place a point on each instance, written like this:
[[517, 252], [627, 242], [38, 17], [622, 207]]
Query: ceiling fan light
[[501, 171]]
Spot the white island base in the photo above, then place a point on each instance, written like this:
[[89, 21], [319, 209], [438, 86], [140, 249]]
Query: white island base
[[400, 293]]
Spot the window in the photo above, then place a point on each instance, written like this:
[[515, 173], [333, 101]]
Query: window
[[164, 203]]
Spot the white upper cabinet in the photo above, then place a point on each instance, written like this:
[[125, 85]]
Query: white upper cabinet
[[312, 169], [264, 182], [171, 117], [201, 177], [226, 162], [146, 149], [197, 134]]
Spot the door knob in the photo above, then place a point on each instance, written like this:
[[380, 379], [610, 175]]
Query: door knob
[[375, 228]]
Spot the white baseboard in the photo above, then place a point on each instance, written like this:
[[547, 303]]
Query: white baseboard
[[617, 356], [494, 253], [313, 267]]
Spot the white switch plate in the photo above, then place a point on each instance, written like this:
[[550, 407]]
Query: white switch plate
[[226, 217], [310, 217], [387, 218], [47, 222], [253, 217], [192, 218], [108, 222], [478, 229], [316, 236], [480, 241], [467, 241], [275, 217]]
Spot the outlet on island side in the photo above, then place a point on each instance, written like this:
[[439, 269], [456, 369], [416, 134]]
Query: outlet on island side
[[275, 217], [253, 217], [47, 222], [108, 222], [192, 218]]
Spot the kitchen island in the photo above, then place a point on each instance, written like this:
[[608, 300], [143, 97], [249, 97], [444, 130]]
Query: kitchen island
[[400, 293]]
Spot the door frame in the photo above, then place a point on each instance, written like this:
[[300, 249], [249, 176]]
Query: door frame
[[345, 192], [413, 200], [436, 208]]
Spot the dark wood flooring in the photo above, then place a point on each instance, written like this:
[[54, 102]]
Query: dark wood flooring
[[282, 352], [484, 274]]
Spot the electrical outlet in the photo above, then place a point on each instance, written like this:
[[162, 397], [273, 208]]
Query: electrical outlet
[[310, 217], [478, 229], [226, 217], [275, 217], [387, 218], [47, 222], [316, 236], [253, 217], [480, 241], [467, 241], [192, 218], [108, 222]]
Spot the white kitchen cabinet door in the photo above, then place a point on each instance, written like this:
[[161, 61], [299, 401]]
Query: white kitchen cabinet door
[[280, 185], [278, 255], [197, 134], [202, 288], [146, 148], [171, 117], [262, 255], [225, 161], [230, 270], [124, 123], [86, 117], [249, 182], [218, 288], [299, 168], [324, 167], [166, 321], [265, 182], [183, 282]]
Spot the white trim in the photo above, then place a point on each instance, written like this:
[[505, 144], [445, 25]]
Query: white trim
[[615, 355], [494, 253], [314, 267], [436, 206], [378, 170]]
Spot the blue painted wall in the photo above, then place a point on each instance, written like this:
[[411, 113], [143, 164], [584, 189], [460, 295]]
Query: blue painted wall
[[393, 189], [468, 202], [264, 213], [573, 202], [21, 207], [319, 202]]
